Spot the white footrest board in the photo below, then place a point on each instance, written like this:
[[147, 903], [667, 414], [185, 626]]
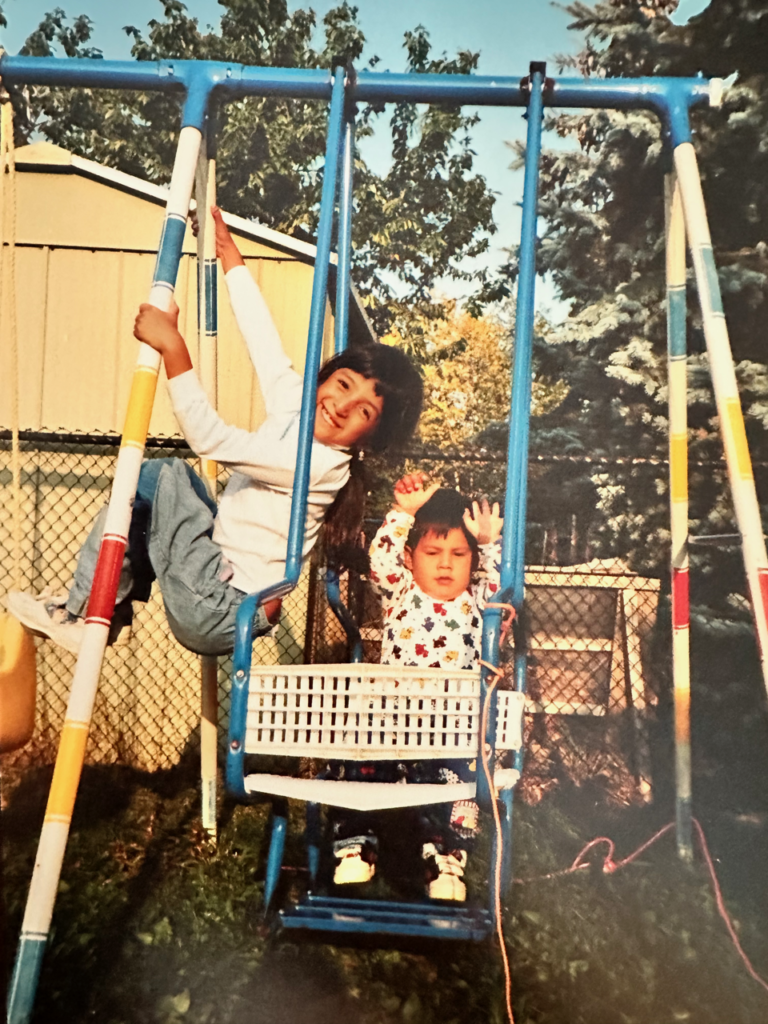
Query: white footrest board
[[372, 712], [364, 796]]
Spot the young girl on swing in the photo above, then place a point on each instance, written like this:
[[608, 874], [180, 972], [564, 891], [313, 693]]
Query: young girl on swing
[[206, 560]]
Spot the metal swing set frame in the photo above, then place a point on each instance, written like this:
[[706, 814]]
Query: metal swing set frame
[[202, 85]]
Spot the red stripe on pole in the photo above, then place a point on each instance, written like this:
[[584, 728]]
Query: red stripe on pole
[[680, 601], [102, 600], [762, 575], [762, 579]]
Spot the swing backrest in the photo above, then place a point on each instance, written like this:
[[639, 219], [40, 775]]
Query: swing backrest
[[372, 712]]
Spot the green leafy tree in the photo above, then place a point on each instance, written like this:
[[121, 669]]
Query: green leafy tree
[[414, 224], [603, 243], [466, 365]]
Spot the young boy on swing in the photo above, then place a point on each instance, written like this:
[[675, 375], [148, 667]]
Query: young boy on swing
[[435, 562]]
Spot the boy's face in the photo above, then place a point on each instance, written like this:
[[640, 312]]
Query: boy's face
[[347, 410], [441, 566]]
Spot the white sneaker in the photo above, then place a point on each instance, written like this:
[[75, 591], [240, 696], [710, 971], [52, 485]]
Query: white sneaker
[[356, 864], [446, 871], [46, 616]]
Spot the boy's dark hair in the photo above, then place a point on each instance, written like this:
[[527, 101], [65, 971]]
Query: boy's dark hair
[[399, 384], [443, 512], [397, 381]]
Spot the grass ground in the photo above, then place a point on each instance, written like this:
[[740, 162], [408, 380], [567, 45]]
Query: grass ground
[[151, 927]]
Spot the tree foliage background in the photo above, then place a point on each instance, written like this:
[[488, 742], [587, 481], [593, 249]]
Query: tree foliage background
[[602, 240]]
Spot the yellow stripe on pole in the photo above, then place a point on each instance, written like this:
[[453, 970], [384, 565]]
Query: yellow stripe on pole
[[738, 438], [66, 774], [678, 467], [682, 714], [140, 404]]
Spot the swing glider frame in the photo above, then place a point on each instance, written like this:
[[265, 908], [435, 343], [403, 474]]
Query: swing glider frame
[[202, 84]]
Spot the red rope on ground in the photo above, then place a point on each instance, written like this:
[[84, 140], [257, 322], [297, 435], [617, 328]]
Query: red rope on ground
[[609, 866], [721, 906], [579, 864]]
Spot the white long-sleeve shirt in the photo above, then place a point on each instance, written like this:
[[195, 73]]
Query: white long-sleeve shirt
[[254, 513]]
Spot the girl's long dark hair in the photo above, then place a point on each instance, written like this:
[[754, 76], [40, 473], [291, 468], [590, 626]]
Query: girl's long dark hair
[[399, 383]]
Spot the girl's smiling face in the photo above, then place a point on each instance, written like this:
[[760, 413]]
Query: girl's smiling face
[[347, 410]]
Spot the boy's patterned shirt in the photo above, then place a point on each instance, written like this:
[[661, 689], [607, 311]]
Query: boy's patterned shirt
[[418, 629]]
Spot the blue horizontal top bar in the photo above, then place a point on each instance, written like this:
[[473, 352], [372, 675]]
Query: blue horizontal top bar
[[237, 79], [658, 94]]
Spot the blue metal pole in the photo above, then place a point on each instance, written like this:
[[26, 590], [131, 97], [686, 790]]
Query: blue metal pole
[[315, 340], [513, 545], [669, 97], [344, 243], [344, 616], [314, 835], [275, 856], [341, 339], [241, 662], [229, 79]]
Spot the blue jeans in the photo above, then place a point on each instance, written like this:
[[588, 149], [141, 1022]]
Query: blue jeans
[[170, 540]]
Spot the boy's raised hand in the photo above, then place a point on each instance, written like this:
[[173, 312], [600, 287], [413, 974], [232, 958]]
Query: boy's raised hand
[[411, 494], [484, 522]]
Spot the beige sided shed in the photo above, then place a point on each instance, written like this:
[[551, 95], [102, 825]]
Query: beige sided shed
[[86, 239], [84, 254]]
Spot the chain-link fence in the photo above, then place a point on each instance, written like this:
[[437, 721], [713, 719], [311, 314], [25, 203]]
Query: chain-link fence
[[593, 679], [147, 709]]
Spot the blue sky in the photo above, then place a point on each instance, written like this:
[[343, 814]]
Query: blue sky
[[508, 34]]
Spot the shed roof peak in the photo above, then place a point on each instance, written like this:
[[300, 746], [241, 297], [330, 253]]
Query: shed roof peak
[[43, 153]]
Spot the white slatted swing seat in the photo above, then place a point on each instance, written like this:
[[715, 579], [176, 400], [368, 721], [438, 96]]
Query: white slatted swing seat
[[372, 713]]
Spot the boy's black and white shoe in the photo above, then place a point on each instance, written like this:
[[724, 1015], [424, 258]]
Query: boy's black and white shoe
[[355, 860], [445, 873], [47, 616]]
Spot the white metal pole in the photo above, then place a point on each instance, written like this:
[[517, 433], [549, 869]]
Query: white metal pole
[[678, 504], [726, 394], [205, 194], [71, 753]]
